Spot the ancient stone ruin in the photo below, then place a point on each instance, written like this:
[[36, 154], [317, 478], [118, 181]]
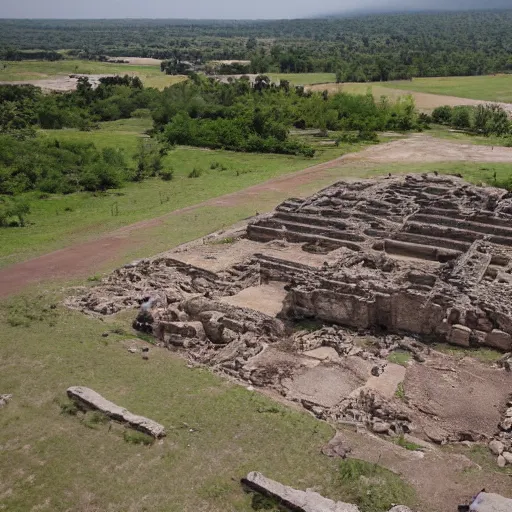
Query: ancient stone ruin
[[315, 300]]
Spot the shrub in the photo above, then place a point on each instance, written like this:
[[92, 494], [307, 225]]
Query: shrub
[[167, 174], [95, 419], [195, 173], [68, 407], [442, 115], [136, 437], [372, 487]]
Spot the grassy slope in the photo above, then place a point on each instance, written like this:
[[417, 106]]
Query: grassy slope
[[61, 220], [38, 70], [492, 88]]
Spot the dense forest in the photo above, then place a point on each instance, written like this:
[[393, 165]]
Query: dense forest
[[366, 48]]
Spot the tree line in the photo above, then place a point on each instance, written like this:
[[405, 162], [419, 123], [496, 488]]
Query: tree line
[[366, 48]]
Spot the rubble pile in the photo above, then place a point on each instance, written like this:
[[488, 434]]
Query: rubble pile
[[158, 282], [501, 444], [369, 410]]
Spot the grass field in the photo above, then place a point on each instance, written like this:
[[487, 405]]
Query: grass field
[[491, 88], [61, 220], [304, 78], [443, 132], [38, 70]]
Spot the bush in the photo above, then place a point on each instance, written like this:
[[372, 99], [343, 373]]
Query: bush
[[13, 212], [461, 117], [195, 173], [136, 437], [69, 407], [442, 115], [167, 174], [54, 166], [95, 419]]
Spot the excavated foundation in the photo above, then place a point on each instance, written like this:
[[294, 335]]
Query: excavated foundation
[[313, 299]]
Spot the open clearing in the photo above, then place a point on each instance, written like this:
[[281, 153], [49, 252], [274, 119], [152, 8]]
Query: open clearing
[[426, 98], [488, 88], [55, 75]]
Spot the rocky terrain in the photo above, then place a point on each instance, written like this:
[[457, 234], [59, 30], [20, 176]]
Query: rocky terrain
[[319, 302]]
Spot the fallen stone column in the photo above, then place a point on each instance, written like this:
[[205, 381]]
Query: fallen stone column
[[89, 399], [294, 500]]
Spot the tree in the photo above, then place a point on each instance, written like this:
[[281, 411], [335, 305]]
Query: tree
[[148, 159], [251, 44]]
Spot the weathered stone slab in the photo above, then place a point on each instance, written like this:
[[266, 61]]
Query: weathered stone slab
[[293, 499], [459, 335], [500, 340], [489, 502], [89, 399]]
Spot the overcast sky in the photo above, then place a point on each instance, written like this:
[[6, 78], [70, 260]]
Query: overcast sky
[[220, 9]]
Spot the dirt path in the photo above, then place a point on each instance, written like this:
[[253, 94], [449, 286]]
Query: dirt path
[[83, 259]]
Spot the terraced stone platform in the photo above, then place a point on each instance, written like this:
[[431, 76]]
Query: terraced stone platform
[[426, 254]]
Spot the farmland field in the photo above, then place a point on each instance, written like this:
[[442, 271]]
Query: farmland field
[[490, 88]]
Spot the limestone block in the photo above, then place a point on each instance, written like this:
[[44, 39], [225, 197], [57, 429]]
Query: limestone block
[[496, 447], [292, 499], [89, 399], [459, 335], [186, 329], [499, 339]]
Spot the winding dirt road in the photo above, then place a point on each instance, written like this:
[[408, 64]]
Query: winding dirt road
[[84, 259]]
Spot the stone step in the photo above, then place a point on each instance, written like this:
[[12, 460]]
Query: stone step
[[425, 252], [314, 220], [261, 258], [463, 224], [264, 234], [312, 229], [419, 239], [442, 232]]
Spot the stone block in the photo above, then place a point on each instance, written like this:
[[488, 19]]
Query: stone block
[[89, 399], [500, 340], [459, 335], [186, 329], [293, 499]]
